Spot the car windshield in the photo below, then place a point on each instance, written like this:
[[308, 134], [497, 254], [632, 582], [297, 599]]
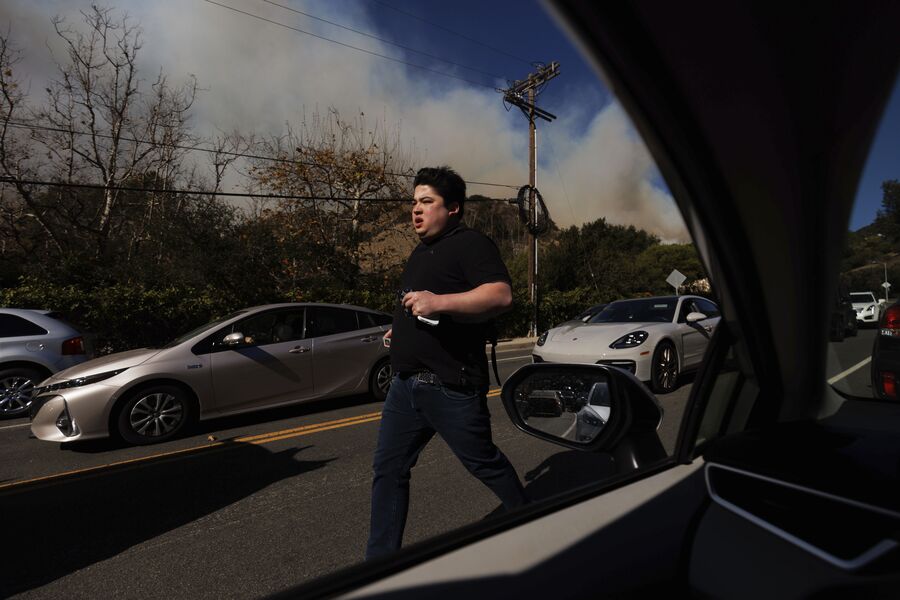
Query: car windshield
[[195, 332], [655, 310], [862, 298]]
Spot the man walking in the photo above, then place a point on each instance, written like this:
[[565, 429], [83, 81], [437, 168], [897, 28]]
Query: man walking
[[454, 281]]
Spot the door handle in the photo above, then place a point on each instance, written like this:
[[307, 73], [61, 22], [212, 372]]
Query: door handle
[[298, 350], [370, 338]]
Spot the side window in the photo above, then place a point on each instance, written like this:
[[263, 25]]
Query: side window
[[258, 330], [382, 319], [367, 319], [708, 308], [326, 320], [687, 307], [288, 326], [13, 326]]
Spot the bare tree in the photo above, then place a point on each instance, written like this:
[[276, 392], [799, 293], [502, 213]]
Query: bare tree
[[341, 165], [100, 126]]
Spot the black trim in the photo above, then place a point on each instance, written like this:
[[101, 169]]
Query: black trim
[[698, 399]]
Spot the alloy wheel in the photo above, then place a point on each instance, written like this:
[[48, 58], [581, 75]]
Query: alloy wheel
[[666, 368], [156, 415], [383, 378], [15, 394]]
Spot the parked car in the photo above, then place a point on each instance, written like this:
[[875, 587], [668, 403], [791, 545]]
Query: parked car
[[885, 367], [34, 344], [779, 486], [254, 358], [867, 307], [843, 317], [656, 339]]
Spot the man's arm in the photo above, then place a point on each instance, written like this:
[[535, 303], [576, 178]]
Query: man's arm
[[486, 301]]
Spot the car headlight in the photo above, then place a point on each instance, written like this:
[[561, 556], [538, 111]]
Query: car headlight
[[542, 338], [870, 309], [630, 340], [77, 382]]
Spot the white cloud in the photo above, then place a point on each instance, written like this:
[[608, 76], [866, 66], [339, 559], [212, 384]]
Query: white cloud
[[258, 76]]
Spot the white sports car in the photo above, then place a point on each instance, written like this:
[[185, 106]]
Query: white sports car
[[868, 309], [654, 338]]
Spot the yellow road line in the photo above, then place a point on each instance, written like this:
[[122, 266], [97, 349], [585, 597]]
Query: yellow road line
[[257, 439], [264, 438], [253, 438]]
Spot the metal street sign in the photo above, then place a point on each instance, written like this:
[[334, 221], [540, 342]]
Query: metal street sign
[[885, 285], [675, 279]]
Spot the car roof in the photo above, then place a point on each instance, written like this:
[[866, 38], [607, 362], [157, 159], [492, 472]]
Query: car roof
[[24, 312], [760, 122], [262, 307]]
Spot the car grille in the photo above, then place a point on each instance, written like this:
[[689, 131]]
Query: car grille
[[625, 365]]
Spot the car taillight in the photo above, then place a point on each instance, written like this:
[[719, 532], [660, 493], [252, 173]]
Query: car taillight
[[889, 384], [891, 324], [73, 346]]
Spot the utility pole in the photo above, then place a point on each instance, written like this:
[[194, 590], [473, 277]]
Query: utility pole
[[522, 94]]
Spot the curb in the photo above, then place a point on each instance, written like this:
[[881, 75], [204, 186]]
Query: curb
[[515, 344]]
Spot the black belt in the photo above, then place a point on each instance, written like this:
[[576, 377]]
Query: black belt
[[427, 377]]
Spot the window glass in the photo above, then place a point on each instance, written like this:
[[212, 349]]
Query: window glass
[[863, 358], [367, 319], [326, 320], [306, 199], [288, 326], [660, 310], [258, 330], [708, 308], [14, 326]]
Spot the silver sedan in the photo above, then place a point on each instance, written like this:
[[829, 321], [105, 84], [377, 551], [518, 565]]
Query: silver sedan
[[255, 358]]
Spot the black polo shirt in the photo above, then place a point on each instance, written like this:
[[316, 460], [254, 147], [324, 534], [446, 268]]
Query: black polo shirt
[[459, 260]]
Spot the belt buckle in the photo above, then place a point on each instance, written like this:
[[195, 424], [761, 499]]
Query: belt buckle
[[426, 377]]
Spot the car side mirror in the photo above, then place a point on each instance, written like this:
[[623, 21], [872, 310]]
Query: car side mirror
[[586, 407], [695, 316], [233, 339]]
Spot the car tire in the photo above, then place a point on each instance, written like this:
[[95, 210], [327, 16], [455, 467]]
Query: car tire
[[380, 379], [16, 387], [664, 368], [154, 414]]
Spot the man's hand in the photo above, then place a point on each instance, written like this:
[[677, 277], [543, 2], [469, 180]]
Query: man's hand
[[486, 301], [386, 338], [422, 303]]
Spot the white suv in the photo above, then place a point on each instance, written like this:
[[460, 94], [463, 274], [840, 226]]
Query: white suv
[[868, 309], [34, 344]]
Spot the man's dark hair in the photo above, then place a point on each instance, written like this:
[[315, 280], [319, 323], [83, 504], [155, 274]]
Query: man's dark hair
[[445, 182]]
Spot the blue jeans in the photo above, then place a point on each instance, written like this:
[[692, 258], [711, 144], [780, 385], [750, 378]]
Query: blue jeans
[[413, 412]]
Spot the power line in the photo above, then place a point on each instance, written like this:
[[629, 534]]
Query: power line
[[321, 37], [463, 36], [125, 188], [21, 125], [386, 41]]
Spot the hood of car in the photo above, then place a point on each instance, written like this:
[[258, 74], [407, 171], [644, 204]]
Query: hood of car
[[595, 333], [110, 362]]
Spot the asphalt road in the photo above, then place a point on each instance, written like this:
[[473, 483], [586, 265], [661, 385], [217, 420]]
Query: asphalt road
[[250, 505]]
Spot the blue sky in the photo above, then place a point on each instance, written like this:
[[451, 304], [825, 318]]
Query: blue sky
[[258, 77], [526, 32]]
